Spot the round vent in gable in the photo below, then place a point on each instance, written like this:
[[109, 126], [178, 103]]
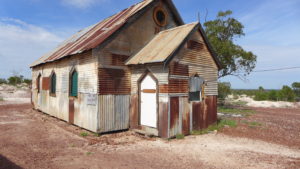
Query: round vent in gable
[[160, 16]]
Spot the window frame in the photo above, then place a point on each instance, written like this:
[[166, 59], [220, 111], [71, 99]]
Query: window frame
[[71, 84], [155, 14], [53, 91], [200, 92], [38, 83]]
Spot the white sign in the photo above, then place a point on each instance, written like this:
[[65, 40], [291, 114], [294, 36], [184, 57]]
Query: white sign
[[91, 99]]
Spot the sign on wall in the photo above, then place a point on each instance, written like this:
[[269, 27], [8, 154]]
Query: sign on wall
[[91, 99]]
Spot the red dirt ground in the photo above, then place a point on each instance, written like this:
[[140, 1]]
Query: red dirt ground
[[31, 139], [276, 125]]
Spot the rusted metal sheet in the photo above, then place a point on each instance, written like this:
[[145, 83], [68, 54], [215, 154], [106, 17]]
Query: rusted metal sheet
[[175, 117], [92, 36], [198, 108], [118, 60], [211, 102], [163, 120], [45, 83], [71, 111], [178, 86], [174, 111], [134, 111], [114, 81], [185, 111], [163, 45], [194, 45], [114, 112], [179, 69]]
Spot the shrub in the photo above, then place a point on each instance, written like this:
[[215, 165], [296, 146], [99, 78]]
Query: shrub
[[3, 81], [179, 136], [224, 89], [84, 134], [287, 94], [14, 80]]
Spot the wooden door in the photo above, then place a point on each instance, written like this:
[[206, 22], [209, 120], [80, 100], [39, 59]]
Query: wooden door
[[148, 102]]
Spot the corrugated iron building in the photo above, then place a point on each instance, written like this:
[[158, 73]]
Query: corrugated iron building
[[142, 68]]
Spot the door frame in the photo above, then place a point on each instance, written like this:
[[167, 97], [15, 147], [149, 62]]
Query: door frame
[[144, 75]]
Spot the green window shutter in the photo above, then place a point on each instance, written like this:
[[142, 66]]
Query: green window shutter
[[53, 84], [74, 85]]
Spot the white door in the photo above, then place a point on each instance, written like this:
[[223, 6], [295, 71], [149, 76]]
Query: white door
[[148, 102]]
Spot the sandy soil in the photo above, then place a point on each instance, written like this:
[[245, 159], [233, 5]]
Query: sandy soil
[[266, 104], [31, 139]]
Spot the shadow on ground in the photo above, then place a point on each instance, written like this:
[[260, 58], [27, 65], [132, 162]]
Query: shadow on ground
[[7, 164]]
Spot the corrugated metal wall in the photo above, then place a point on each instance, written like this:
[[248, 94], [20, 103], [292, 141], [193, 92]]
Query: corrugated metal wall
[[58, 106], [114, 112]]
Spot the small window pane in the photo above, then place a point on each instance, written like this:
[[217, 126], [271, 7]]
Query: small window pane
[[53, 83], [194, 96], [74, 84]]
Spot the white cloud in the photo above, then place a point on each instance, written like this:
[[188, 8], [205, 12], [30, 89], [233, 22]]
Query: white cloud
[[21, 44], [82, 4]]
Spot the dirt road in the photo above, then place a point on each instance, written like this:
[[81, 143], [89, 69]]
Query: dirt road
[[30, 139]]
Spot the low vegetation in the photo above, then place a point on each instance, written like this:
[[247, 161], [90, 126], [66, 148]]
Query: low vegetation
[[84, 134], [216, 127], [179, 136], [1, 99], [286, 93], [15, 80], [252, 124], [236, 111]]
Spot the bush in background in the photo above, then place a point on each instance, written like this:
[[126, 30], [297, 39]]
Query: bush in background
[[224, 89], [287, 94], [3, 81]]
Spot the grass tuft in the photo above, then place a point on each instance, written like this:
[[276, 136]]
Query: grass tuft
[[84, 134], [179, 136], [89, 153], [252, 124], [237, 111], [221, 124]]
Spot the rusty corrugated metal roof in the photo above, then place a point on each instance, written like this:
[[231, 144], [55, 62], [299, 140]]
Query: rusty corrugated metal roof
[[92, 36], [162, 45]]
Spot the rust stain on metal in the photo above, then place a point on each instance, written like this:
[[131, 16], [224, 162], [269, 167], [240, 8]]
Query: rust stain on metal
[[71, 111], [179, 69], [163, 120], [134, 112], [114, 81], [174, 111], [92, 36], [211, 102], [197, 115], [45, 83], [186, 117], [162, 45], [194, 45], [118, 60], [178, 86]]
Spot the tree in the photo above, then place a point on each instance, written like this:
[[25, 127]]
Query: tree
[[287, 94], [223, 89], [296, 88], [221, 33], [14, 80], [3, 81]]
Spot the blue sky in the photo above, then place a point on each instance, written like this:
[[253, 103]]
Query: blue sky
[[31, 28]]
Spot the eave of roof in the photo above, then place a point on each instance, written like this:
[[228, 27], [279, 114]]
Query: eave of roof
[[163, 45], [99, 33], [92, 36]]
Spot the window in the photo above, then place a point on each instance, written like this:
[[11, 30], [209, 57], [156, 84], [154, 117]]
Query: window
[[74, 84], [196, 85], [53, 84], [38, 83], [160, 16]]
